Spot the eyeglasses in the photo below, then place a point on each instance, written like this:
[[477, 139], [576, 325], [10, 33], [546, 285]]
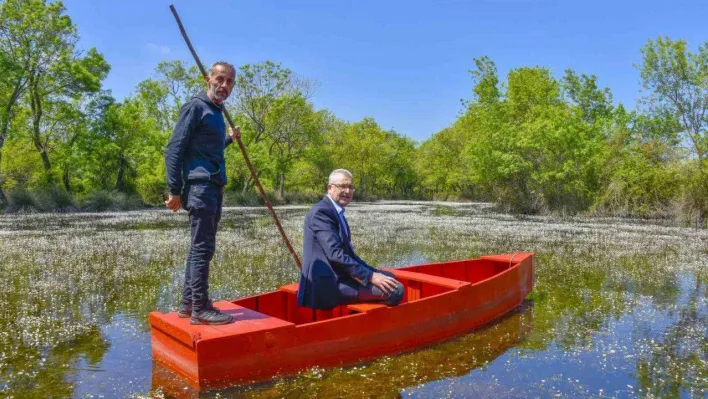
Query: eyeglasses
[[344, 187]]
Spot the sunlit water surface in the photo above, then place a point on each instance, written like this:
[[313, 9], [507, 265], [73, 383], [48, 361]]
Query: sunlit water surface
[[619, 308]]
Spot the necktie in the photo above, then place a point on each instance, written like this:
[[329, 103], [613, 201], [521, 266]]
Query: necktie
[[346, 226]]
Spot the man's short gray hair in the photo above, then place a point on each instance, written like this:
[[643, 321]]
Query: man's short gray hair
[[339, 172], [223, 64]]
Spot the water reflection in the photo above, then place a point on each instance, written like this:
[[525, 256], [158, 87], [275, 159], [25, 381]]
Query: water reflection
[[682, 354], [38, 373], [387, 377]]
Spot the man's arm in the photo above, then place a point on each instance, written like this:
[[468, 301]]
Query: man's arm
[[326, 232], [174, 154], [177, 146], [233, 135]]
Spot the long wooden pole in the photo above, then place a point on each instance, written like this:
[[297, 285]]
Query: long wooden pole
[[240, 144]]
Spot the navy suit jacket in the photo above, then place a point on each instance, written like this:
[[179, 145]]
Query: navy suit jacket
[[328, 259]]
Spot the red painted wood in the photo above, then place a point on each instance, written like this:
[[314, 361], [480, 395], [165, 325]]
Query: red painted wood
[[272, 336]]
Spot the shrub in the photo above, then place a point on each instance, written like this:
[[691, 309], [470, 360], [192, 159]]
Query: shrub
[[252, 198], [100, 201], [236, 198], [694, 201], [151, 189], [302, 197], [54, 200], [21, 200], [128, 202]]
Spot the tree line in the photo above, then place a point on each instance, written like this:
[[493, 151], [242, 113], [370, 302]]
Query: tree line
[[530, 142]]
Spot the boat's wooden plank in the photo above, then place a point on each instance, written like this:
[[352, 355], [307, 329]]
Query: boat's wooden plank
[[172, 326], [365, 307], [245, 320], [292, 288], [427, 278], [510, 258]]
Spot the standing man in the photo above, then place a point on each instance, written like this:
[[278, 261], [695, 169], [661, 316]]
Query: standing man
[[332, 273], [196, 176]]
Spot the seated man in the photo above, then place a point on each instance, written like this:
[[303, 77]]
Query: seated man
[[332, 274]]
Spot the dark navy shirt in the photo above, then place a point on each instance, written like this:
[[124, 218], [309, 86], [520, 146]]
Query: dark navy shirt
[[195, 152]]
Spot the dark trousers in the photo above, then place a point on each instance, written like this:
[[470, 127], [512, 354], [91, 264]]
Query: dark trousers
[[203, 202], [353, 292]]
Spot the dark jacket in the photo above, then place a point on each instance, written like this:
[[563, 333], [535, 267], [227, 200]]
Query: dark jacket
[[195, 152], [328, 259]]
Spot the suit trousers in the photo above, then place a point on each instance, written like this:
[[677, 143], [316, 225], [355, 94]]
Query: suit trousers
[[203, 201], [355, 293]]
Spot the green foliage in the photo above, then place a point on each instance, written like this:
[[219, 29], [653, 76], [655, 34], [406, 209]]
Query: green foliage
[[150, 184], [530, 143], [40, 200], [278, 122], [40, 39], [378, 159], [99, 201], [594, 104], [678, 83], [20, 166], [21, 200], [236, 198], [694, 196], [55, 200], [530, 151], [639, 187], [641, 170]]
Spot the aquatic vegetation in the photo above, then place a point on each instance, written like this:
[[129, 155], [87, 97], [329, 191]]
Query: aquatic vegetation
[[619, 308]]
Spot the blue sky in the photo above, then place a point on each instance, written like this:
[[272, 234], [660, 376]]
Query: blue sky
[[405, 63]]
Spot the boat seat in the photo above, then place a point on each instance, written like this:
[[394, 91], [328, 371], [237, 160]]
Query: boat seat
[[356, 307], [365, 307]]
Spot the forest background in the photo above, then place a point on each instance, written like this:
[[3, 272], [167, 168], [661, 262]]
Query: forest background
[[529, 141]]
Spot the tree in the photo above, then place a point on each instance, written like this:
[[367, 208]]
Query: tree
[[532, 151], [678, 81], [67, 122], [13, 82], [293, 125], [486, 82], [594, 103], [381, 161], [41, 38], [259, 96], [163, 97], [438, 164]]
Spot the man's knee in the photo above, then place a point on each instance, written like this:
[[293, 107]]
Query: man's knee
[[201, 255], [395, 297], [372, 293], [387, 273]]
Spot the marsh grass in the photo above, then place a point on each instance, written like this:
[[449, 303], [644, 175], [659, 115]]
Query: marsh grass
[[58, 200], [625, 300], [101, 201]]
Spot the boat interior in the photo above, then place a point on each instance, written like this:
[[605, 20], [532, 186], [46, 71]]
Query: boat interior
[[420, 282], [471, 271]]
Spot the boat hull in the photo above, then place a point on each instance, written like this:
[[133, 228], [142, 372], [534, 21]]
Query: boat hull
[[273, 337]]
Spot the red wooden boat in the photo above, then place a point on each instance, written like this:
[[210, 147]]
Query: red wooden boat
[[272, 336]]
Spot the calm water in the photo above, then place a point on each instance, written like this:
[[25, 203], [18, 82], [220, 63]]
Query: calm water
[[619, 309]]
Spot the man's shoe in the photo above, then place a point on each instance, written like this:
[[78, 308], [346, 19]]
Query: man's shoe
[[210, 316], [185, 310]]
